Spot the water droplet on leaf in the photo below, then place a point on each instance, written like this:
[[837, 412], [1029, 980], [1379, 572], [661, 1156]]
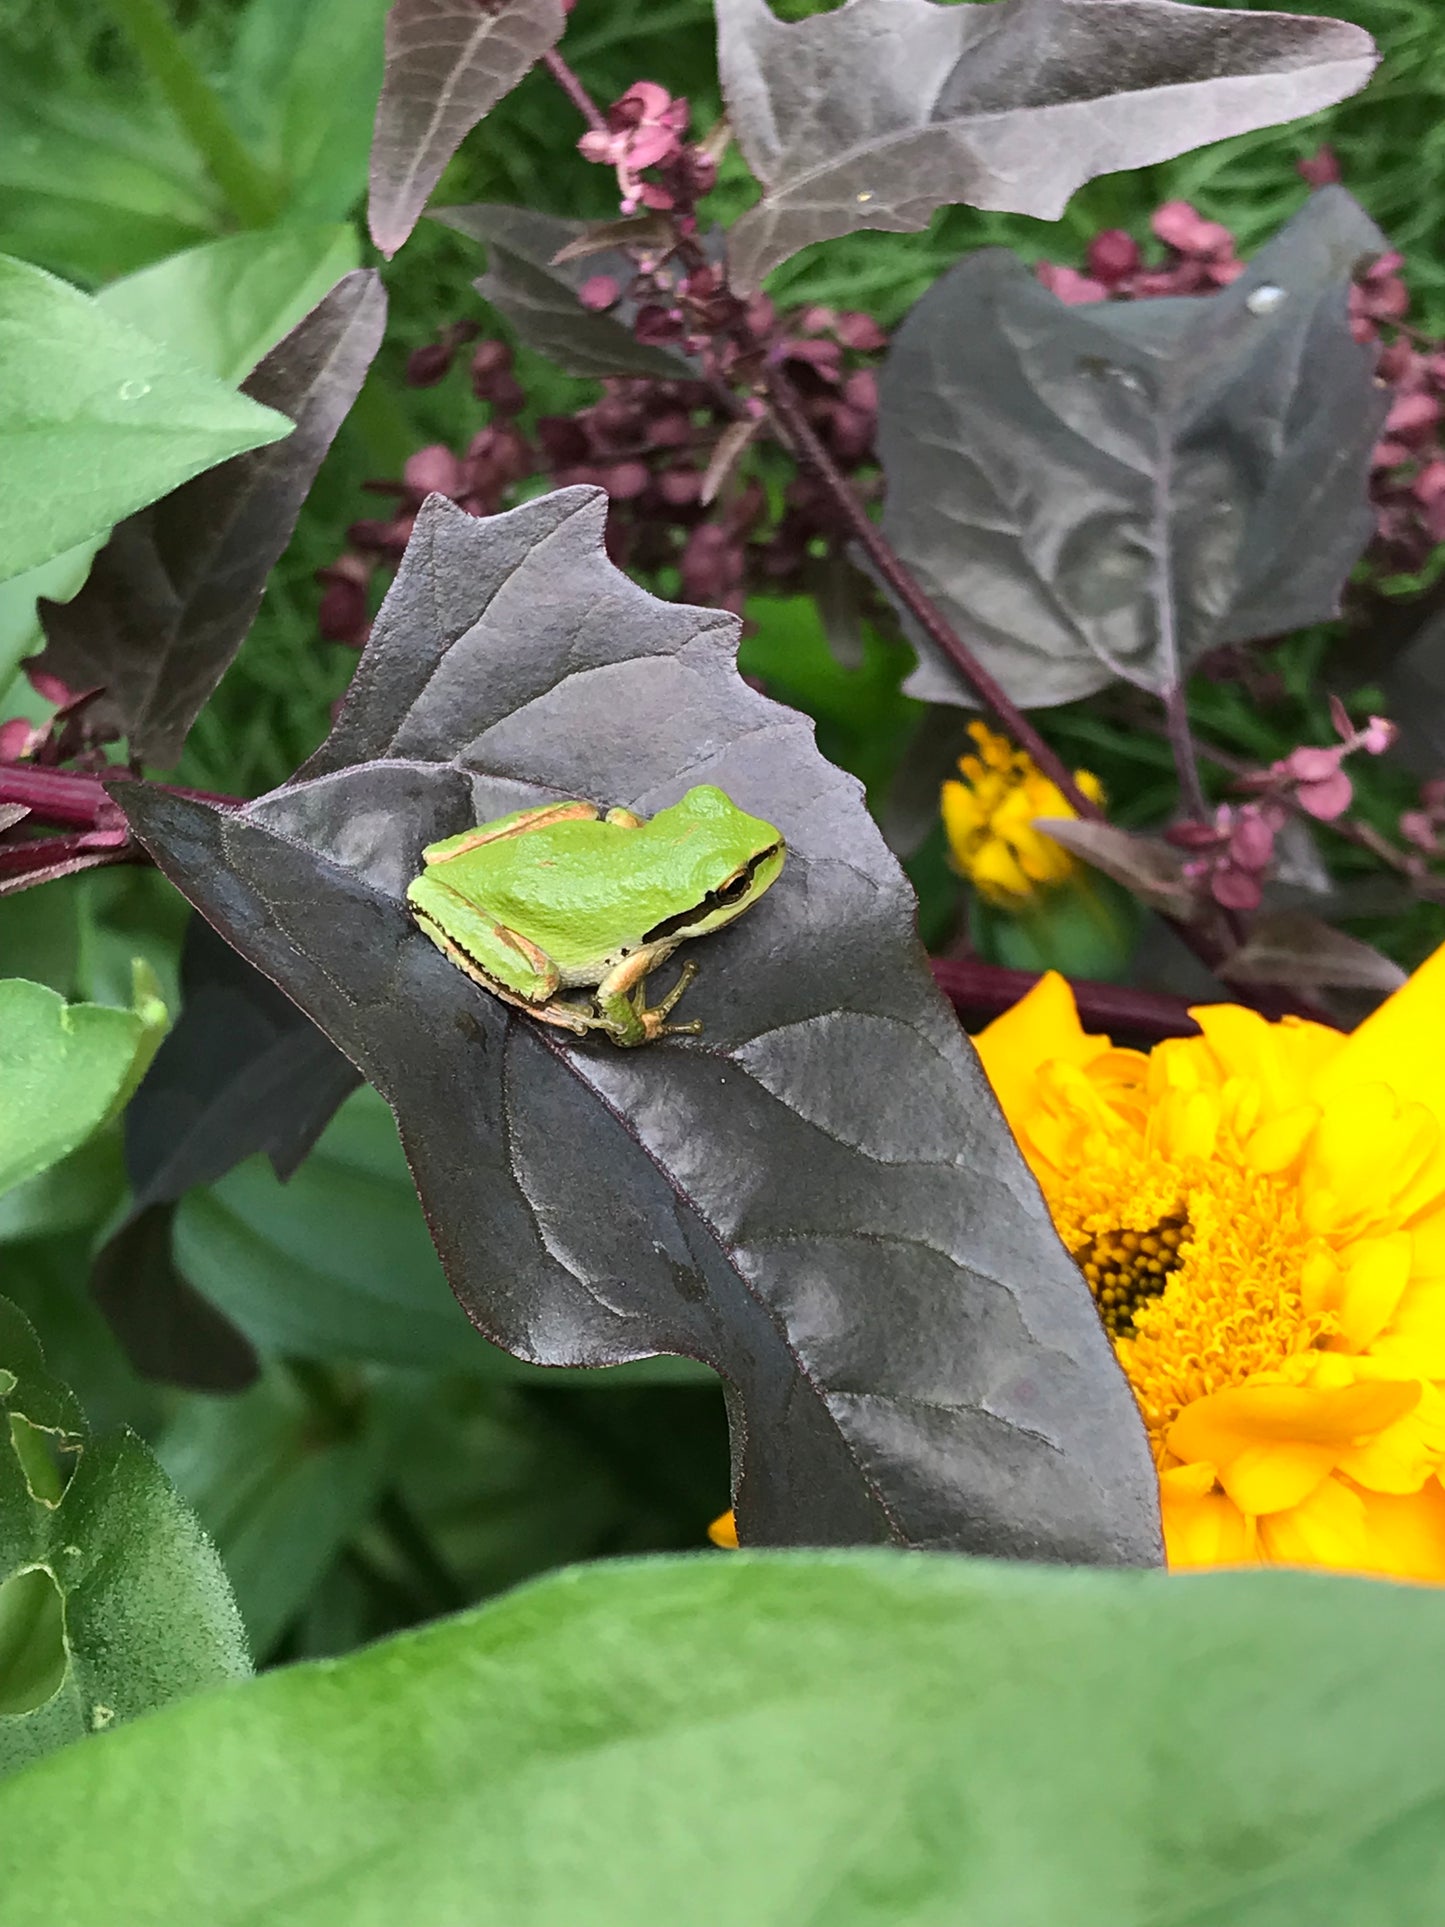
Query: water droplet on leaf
[[133, 390], [1266, 300]]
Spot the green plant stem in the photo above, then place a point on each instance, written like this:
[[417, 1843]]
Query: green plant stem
[[252, 195]]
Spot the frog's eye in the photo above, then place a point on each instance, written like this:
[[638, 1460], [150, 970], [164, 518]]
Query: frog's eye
[[734, 889]]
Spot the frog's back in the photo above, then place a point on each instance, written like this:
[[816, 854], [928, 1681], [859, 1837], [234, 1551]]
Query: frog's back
[[582, 890]]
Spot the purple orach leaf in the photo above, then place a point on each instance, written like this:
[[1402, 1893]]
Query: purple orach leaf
[[448, 63]]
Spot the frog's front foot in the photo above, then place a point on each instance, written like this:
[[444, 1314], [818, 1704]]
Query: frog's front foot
[[653, 1021], [623, 1010]]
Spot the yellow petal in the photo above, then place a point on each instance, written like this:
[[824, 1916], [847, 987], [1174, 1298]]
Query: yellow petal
[[1399, 1459], [1367, 1152], [962, 819], [1247, 1045], [994, 871], [1272, 1478], [1401, 1044], [1225, 1424], [1275, 1145], [1376, 1272], [1327, 1529], [723, 1531], [1041, 1027], [1204, 1530], [1404, 1538]]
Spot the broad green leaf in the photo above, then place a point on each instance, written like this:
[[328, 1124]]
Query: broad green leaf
[[806, 1740], [96, 420], [112, 1600], [337, 1261], [305, 79], [80, 1191], [58, 580], [91, 186], [224, 304], [63, 1069], [173, 593], [279, 1487]]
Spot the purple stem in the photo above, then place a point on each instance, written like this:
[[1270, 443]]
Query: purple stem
[[1186, 762], [987, 990], [574, 90], [870, 538], [80, 802]]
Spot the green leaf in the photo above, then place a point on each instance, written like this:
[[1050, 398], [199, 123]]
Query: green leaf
[[58, 579], [306, 82], [93, 188], [97, 419], [225, 304], [112, 1600], [864, 1740], [338, 1262], [279, 1489], [63, 1069]]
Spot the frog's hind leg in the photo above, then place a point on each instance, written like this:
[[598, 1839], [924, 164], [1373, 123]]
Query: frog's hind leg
[[498, 959]]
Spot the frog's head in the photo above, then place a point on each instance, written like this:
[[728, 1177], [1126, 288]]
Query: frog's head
[[726, 857]]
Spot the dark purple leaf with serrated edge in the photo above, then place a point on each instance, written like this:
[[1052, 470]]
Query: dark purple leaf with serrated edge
[[1091, 493], [448, 63], [539, 297], [168, 1331], [170, 597], [875, 115], [818, 1197], [243, 1071]]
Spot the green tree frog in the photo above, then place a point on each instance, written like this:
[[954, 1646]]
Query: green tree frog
[[566, 895]]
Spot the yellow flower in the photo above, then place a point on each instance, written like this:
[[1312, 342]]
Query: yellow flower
[[1260, 1214], [989, 819], [724, 1532]]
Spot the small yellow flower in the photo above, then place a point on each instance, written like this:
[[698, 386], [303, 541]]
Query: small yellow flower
[[1260, 1214], [989, 818]]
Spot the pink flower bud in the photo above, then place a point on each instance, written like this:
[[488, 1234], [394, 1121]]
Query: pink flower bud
[[1075, 290], [1320, 169], [1310, 764], [425, 367], [1415, 826], [1251, 846], [434, 471], [1113, 256], [1327, 799], [1235, 889], [1185, 229], [861, 333], [18, 739], [599, 292], [1377, 735], [1412, 417], [50, 688], [625, 481]]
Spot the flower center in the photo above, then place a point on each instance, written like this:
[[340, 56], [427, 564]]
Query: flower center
[[1203, 1288], [1125, 1269]]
